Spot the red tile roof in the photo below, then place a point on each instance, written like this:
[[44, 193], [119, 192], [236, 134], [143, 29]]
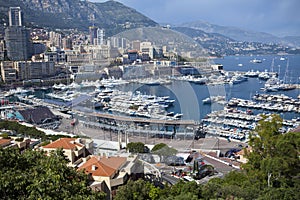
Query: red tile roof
[[4, 142], [65, 143], [113, 162], [100, 168], [103, 166]]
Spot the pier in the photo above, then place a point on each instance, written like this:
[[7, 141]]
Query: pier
[[135, 126]]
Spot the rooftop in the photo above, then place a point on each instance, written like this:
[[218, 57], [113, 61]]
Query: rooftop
[[65, 143], [103, 166]]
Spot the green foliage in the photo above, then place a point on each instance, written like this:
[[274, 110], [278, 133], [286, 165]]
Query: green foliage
[[19, 139], [141, 189], [4, 136], [24, 131], [162, 149], [114, 13], [158, 147], [272, 171], [135, 190], [32, 175], [182, 188], [137, 147], [275, 156]]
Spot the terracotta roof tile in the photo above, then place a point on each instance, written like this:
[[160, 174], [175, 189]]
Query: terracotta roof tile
[[113, 162], [4, 142], [65, 143], [105, 166], [100, 168]]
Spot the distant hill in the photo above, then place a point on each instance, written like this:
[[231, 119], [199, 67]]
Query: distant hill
[[292, 40], [204, 36], [218, 45], [238, 33], [77, 14], [173, 40], [209, 41]]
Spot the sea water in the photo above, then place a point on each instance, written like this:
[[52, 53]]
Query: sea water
[[189, 96]]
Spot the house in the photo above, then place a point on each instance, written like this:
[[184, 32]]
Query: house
[[74, 148], [5, 143], [21, 143], [110, 172]]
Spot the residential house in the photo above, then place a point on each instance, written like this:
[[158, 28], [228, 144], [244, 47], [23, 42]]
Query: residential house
[[111, 171], [74, 148]]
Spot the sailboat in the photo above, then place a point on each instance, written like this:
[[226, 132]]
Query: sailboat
[[285, 85], [272, 84]]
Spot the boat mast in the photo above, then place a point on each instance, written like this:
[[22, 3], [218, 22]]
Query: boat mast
[[286, 72], [272, 65]]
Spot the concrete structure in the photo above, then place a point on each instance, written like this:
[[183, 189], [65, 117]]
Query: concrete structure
[[18, 43], [57, 56], [13, 142], [118, 42], [67, 43], [93, 34], [136, 45], [17, 37], [8, 71], [100, 37], [55, 39], [2, 52], [25, 70], [34, 70], [15, 16], [147, 50]]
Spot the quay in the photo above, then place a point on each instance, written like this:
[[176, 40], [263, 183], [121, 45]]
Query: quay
[[187, 129], [143, 120]]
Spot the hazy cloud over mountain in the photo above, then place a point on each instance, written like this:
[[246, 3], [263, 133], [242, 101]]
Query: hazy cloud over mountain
[[280, 17]]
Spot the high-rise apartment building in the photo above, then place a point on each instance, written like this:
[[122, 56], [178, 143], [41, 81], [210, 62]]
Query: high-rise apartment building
[[17, 37], [96, 36], [15, 16], [93, 34]]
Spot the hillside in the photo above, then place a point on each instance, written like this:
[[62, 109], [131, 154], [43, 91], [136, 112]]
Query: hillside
[[77, 14], [232, 32], [173, 40], [241, 34]]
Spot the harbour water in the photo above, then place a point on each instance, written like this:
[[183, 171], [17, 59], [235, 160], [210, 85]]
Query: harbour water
[[223, 106], [189, 96]]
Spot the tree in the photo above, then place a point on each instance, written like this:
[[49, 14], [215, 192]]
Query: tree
[[272, 170], [191, 189], [134, 190], [275, 156], [33, 175], [158, 147], [163, 150], [137, 147]]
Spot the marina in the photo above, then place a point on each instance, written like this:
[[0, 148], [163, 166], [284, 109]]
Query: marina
[[226, 104]]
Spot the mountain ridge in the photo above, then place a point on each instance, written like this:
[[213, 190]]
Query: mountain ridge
[[240, 34], [113, 16]]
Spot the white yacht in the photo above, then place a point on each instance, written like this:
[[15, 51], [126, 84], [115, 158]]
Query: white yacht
[[256, 61]]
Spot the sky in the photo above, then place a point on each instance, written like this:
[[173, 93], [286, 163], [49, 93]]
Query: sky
[[278, 17]]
